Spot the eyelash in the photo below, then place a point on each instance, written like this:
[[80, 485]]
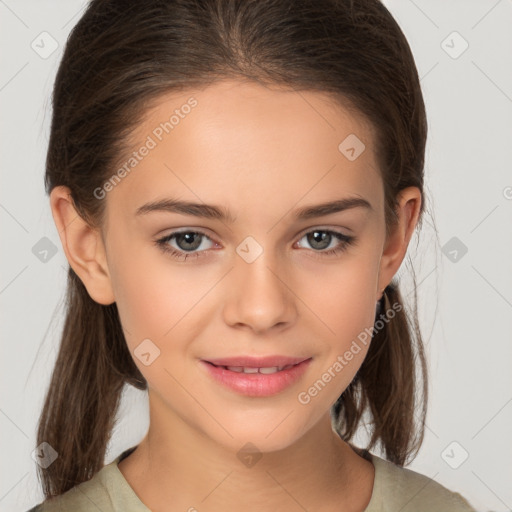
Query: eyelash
[[345, 240]]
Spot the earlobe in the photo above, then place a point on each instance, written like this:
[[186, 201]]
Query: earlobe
[[395, 248], [82, 245]]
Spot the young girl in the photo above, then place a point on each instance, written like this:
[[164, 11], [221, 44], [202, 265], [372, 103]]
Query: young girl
[[235, 184]]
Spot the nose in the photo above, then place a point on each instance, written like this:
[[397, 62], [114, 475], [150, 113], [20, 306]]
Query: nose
[[259, 295]]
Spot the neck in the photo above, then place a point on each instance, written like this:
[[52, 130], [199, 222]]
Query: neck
[[318, 472]]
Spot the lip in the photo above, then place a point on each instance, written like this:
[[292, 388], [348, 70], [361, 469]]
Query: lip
[[257, 384]]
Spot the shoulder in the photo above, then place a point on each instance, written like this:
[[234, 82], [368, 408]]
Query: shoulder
[[398, 488], [90, 495], [107, 491]]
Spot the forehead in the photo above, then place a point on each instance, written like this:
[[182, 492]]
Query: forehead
[[240, 141]]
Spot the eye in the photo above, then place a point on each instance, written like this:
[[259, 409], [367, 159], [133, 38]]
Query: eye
[[321, 239], [186, 244], [191, 243]]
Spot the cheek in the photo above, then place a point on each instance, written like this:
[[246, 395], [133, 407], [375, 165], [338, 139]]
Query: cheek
[[151, 295], [342, 295], [154, 304]]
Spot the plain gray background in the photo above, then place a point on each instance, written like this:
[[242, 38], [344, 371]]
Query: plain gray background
[[464, 273]]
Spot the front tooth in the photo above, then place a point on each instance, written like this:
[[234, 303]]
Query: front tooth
[[269, 370], [238, 369], [272, 369], [250, 370]]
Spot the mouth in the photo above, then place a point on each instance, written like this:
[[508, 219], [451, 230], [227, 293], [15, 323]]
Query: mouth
[[256, 362], [257, 380], [266, 370]]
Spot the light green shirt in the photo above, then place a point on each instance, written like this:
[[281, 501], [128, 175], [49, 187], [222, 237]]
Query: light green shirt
[[395, 489]]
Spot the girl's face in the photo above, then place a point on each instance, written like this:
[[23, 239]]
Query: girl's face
[[267, 273]]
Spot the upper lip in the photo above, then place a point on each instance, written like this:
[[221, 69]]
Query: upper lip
[[256, 362]]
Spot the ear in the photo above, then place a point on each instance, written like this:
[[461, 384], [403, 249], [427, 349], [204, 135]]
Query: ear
[[408, 210], [82, 245]]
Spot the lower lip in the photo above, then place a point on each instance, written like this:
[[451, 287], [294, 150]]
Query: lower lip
[[257, 384]]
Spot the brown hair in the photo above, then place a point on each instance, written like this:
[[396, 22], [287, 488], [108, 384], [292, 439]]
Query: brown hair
[[124, 54]]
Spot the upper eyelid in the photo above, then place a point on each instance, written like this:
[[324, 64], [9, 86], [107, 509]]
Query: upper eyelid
[[325, 228]]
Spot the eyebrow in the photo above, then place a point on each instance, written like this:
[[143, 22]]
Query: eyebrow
[[215, 212]]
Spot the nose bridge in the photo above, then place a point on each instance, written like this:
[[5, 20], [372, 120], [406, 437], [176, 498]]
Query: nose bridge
[[259, 296]]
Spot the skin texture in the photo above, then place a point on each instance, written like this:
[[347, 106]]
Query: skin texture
[[262, 153]]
